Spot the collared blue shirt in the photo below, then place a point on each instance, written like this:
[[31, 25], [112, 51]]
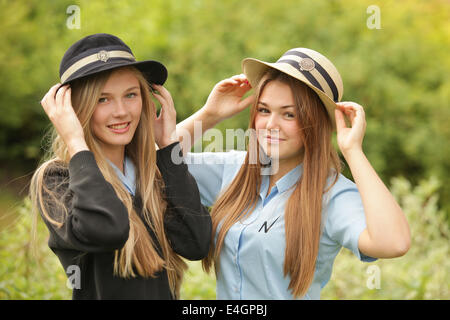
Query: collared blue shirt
[[128, 178], [252, 259]]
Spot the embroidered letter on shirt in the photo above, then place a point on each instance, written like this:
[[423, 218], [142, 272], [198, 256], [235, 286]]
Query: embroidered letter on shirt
[[265, 225]]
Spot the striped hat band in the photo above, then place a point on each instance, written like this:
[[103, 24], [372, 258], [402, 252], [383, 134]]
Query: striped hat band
[[312, 70], [100, 52], [101, 55], [307, 66]]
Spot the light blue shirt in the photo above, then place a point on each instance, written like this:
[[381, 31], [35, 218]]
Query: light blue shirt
[[252, 258], [128, 178]]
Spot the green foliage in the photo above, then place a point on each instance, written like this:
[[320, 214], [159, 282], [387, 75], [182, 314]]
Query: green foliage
[[399, 73], [197, 284], [29, 271], [421, 274]]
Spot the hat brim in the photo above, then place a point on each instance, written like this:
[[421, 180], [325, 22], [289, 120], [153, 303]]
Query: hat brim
[[153, 71], [254, 70]]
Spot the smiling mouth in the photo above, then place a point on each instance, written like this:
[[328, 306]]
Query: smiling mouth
[[119, 127], [272, 139]]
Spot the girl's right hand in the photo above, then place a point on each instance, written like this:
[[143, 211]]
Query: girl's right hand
[[57, 105], [225, 99]]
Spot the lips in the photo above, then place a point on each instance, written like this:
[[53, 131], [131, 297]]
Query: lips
[[271, 139], [119, 127]]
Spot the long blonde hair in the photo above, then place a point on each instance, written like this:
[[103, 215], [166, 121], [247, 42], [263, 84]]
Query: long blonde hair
[[303, 209], [139, 252]]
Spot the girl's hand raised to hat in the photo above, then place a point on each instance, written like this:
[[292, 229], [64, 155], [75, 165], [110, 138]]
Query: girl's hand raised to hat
[[226, 98], [350, 139], [165, 123], [57, 105]]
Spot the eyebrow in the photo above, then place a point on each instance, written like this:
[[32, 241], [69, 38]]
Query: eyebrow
[[282, 107], [129, 89]]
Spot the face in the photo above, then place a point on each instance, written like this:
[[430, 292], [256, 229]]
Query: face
[[118, 111], [276, 123]]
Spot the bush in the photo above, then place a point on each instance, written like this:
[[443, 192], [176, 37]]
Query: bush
[[26, 271], [421, 274]]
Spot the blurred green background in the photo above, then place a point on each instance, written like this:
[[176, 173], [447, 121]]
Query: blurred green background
[[399, 73]]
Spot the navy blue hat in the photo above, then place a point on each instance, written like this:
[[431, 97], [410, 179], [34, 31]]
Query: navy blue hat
[[100, 52]]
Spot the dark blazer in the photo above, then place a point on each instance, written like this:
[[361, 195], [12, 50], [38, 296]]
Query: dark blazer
[[97, 224]]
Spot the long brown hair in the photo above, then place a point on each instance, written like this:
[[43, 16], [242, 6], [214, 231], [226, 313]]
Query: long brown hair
[[303, 209], [139, 252]]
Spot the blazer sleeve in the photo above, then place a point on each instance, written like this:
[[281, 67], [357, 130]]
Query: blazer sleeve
[[187, 222], [96, 220]]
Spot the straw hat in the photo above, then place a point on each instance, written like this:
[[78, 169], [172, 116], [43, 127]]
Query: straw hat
[[306, 65]]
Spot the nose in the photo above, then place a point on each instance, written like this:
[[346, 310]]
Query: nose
[[119, 109], [272, 124]]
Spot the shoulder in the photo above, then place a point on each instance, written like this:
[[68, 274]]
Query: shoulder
[[342, 205], [341, 187]]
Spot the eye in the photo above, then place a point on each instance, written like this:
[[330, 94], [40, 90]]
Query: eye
[[263, 110], [131, 95], [102, 100], [289, 115]]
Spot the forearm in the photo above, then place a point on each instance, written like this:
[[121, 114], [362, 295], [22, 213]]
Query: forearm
[[187, 222], [192, 128], [386, 223]]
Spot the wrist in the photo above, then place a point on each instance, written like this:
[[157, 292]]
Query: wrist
[[208, 117], [167, 142], [352, 153], [76, 146]]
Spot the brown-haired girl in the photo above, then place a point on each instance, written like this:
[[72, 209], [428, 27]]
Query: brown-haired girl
[[276, 235]]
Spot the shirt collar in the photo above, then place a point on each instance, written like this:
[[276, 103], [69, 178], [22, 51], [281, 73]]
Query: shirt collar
[[128, 178], [289, 179], [283, 184]]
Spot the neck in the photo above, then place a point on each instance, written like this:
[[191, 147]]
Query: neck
[[116, 156], [284, 166]]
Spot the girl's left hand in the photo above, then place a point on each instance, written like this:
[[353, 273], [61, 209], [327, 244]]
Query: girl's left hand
[[350, 138], [165, 124]]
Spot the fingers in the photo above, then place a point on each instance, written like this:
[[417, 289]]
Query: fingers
[[163, 95], [59, 96], [350, 107], [354, 112], [247, 101], [67, 99], [340, 122], [48, 99], [165, 99], [239, 81]]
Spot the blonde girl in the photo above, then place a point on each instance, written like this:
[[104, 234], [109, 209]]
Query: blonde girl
[[120, 213]]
